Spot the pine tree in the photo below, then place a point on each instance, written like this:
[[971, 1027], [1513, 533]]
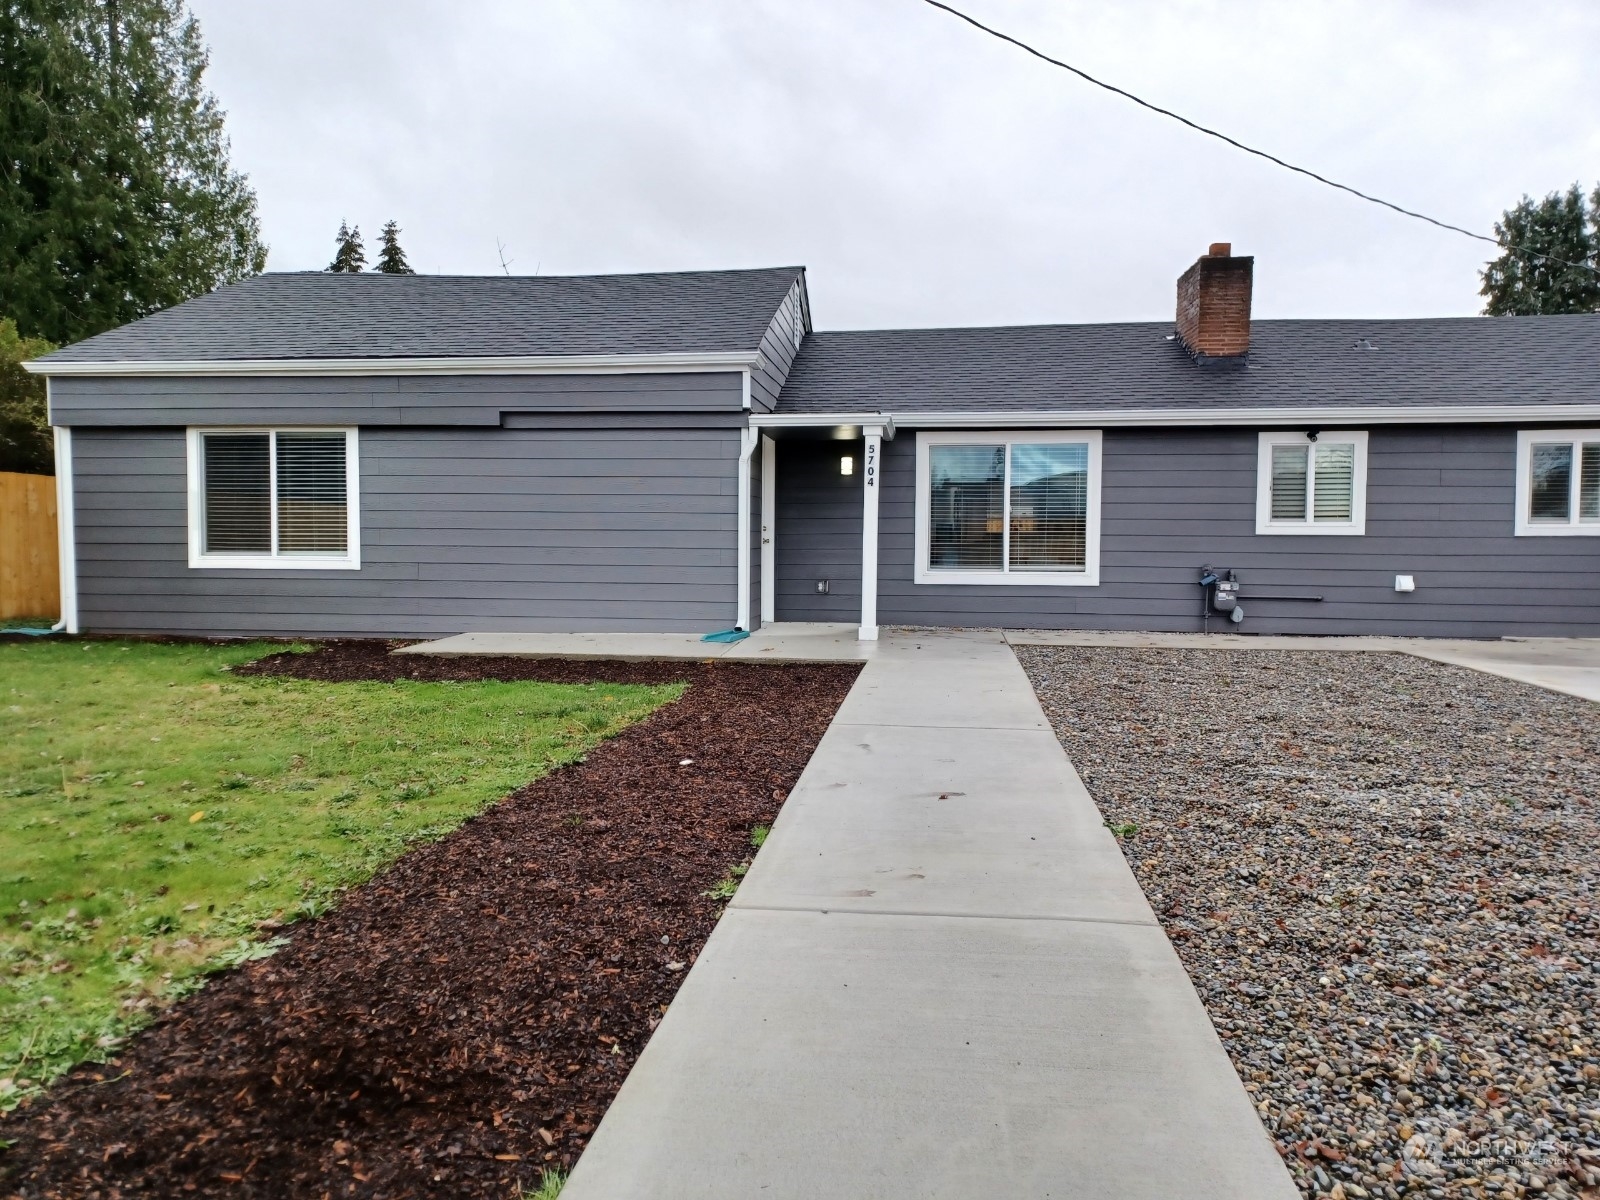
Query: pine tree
[[1552, 260], [351, 256], [116, 193], [25, 440], [392, 259]]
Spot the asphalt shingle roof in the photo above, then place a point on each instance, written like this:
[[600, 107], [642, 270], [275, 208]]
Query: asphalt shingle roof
[[1443, 361], [315, 314]]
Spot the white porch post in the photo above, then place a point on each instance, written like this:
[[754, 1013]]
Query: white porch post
[[871, 457], [769, 530], [66, 531], [747, 445]]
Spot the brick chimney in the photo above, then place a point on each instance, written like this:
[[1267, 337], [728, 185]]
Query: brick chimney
[[1214, 307]]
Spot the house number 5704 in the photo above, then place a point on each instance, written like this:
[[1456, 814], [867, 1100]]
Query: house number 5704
[[872, 468]]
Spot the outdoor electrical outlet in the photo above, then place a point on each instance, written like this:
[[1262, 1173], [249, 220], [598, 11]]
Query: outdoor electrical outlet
[[822, 587]]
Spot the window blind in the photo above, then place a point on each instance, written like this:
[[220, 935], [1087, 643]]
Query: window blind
[[1333, 491], [966, 497], [1289, 483], [238, 493], [1550, 483], [312, 516], [1589, 483], [1049, 507]]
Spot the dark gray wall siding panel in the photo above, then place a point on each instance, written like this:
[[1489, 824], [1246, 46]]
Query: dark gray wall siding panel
[[818, 531], [778, 348], [372, 400], [1439, 507], [641, 540]]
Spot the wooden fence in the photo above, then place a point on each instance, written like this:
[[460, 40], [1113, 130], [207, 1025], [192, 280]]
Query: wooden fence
[[30, 581]]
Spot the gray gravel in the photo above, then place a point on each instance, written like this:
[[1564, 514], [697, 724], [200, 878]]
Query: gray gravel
[[1381, 875]]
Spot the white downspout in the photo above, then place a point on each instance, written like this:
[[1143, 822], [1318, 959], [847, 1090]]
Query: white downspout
[[66, 535], [747, 446], [872, 459], [769, 530]]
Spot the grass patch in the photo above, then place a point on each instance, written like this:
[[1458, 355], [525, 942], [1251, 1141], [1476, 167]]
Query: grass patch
[[550, 1184], [160, 818], [726, 887]]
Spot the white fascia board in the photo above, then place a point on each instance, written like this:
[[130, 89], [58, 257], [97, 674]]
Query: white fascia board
[[805, 301], [550, 364], [1432, 414]]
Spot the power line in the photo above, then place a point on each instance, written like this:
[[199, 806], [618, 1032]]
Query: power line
[[1238, 145]]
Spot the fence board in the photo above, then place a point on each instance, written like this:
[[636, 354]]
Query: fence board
[[30, 580]]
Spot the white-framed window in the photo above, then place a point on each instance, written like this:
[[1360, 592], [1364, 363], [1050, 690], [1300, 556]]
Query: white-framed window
[[274, 498], [1312, 482], [1008, 508], [1558, 482]]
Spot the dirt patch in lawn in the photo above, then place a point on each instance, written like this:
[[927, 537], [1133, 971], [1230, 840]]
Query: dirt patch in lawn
[[461, 1022], [1381, 875]]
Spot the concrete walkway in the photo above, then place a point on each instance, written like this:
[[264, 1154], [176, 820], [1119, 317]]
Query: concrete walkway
[[939, 979]]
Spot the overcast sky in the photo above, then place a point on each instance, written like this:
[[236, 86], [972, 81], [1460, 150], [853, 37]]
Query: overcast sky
[[924, 173]]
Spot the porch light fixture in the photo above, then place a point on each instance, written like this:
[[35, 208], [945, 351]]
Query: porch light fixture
[[847, 464]]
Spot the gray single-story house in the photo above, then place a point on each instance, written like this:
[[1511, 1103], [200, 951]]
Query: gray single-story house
[[317, 454]]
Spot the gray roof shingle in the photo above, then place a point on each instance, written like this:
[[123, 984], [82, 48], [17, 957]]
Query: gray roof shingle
[[314, 314], [1293, 363]]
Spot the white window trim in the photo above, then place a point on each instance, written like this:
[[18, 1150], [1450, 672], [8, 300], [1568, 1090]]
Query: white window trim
[[1356, 526], [1524, 525], [1088, 577], [349, 561]]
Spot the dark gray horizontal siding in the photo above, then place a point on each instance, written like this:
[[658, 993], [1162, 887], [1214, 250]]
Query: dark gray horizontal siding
[[729, 419], [395, 400], [778, 348], [819, 533], [461, 529], [1439, 507]]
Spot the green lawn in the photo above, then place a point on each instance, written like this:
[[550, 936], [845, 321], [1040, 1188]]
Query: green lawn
[[155, 811]]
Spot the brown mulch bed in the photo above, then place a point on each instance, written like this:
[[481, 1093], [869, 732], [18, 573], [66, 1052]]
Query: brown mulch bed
[[460, 1022]]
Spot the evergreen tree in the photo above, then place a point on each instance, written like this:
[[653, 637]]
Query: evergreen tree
[[351, 256], [25, 439], [116, 194], [392, 259], [1566, 230]]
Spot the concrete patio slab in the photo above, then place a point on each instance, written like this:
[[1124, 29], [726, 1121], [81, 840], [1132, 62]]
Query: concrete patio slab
[[851, 1057], [1568, 665], [1012, 1023], [1135, 640], [786, 642]]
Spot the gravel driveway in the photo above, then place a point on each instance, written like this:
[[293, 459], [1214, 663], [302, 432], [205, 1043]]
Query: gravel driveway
[[1381, 875]]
